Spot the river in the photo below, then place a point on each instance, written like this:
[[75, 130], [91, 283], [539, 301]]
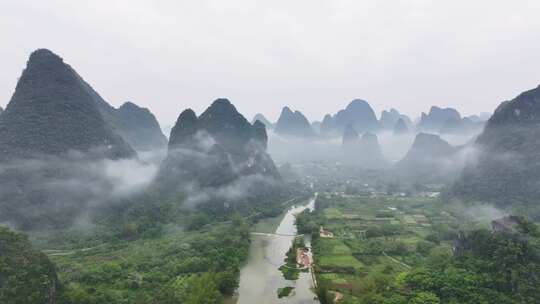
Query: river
[[260, 278]]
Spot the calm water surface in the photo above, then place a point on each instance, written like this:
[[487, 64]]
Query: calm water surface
[[260, 278]]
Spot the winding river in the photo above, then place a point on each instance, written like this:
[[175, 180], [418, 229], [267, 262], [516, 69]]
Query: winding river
[[260, 278]]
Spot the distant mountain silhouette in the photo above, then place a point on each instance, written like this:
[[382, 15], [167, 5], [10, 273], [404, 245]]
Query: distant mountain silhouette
[[140, 127], [216, 148], [52, 112], [327, 125], [461, 126], [401, 127], [350, 137], [363, 151], [508, 167], [436, 118], [260, 117], [390, 118], [293, 124], [357, 114], [427, 158], [136, 125]]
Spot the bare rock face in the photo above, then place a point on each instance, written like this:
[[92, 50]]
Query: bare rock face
[[217, 148], [293, 124], [53, 112], [508, 167]]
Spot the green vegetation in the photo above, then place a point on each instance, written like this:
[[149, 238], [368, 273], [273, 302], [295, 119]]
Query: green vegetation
[[180, 267], [147, 250], [416, 250], [290, 269], [285, 292], [26, 275]]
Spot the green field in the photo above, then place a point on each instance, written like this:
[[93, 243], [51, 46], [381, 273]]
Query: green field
[[375, 240]]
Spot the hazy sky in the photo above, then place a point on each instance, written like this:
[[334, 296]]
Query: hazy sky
[[312, 55]]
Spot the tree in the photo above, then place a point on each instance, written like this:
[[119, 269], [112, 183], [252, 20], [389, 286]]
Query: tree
[[425, 298], [26, 275], [194, 289]]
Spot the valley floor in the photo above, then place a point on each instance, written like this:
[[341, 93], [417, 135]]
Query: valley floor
[[367, 249]]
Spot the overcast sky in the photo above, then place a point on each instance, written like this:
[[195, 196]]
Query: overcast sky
[[312, 55]]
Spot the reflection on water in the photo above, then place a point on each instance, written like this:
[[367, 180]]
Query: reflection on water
[[260, 278]]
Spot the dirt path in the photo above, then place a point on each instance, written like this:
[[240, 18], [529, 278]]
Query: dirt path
[[58, 252]]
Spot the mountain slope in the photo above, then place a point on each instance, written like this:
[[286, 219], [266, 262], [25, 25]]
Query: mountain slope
[[140, 128], [400, 127], [28, 276], [363, 151], [216, 148], [429, 160], [390, 118], [52, 112], [508, 167], [260, 117], [436, 118], [293, 124], [359, 115]]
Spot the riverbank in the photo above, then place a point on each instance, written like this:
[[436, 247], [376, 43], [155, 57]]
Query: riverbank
[[260, 278]]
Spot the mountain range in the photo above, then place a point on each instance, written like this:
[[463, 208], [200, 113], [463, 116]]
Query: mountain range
[[390, 118], [216, 148], [358, 114]]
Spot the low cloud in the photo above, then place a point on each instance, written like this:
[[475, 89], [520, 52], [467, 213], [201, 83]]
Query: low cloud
[[43, 190]]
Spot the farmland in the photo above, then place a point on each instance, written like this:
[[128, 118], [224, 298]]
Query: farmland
[[365, 246]]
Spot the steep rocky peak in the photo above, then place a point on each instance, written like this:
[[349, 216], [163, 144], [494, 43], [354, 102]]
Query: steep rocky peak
[[286, 111], [431, 143], [186, 126], [525, 108], [260, 135], [221, 105], [260, 117], [358, 104], [128, 105], [53, 111]]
